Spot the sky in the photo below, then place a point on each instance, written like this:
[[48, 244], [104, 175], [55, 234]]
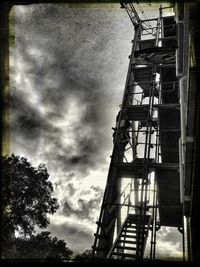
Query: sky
[[68, 67]]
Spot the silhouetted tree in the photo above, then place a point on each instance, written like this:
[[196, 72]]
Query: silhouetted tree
[[85, 256], [43, 247], [26, 198]]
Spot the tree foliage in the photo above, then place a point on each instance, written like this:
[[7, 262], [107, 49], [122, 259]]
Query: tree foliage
[[26, 197], [85, 256], [42, 246]]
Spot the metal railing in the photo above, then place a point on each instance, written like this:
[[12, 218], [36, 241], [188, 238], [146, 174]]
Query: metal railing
[[116, 207]]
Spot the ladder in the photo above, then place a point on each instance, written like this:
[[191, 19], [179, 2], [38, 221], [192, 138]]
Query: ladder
[[131, 238]]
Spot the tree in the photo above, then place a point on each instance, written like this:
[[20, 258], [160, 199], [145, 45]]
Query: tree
[[26, 198], [85, 256], [43, 247]]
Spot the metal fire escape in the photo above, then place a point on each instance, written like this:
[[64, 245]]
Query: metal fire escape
[[143, 189]]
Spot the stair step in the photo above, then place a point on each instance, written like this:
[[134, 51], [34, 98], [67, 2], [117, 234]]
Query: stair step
[[134, 227], [131, 221], [129, 231], [135, 217], [126, 232], [131, 241], [131, 226], [124, 254], [124, 247], [127, 241], [128, 236]]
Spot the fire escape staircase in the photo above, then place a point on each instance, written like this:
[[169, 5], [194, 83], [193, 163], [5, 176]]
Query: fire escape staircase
[[128, 244], [149, 62]]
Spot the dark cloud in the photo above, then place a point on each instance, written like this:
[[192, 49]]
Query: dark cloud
[[85, 208], [71, 189], [57, 75], [24, 118], [26, 124], [80, 207], [85, 156]]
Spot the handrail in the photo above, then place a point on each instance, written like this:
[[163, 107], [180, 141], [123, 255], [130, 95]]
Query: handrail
[[122, 193], [181, 168], [113, 220], [109, 210], [183, 112], [111, 249], [158, 31]]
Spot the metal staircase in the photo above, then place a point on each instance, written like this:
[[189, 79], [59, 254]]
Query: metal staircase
[[129, 241]]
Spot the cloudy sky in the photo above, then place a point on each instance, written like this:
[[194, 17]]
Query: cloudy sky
[[67, 73]]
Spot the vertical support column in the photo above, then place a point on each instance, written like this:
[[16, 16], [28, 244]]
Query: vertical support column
[[4, 80], [107, 222]]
